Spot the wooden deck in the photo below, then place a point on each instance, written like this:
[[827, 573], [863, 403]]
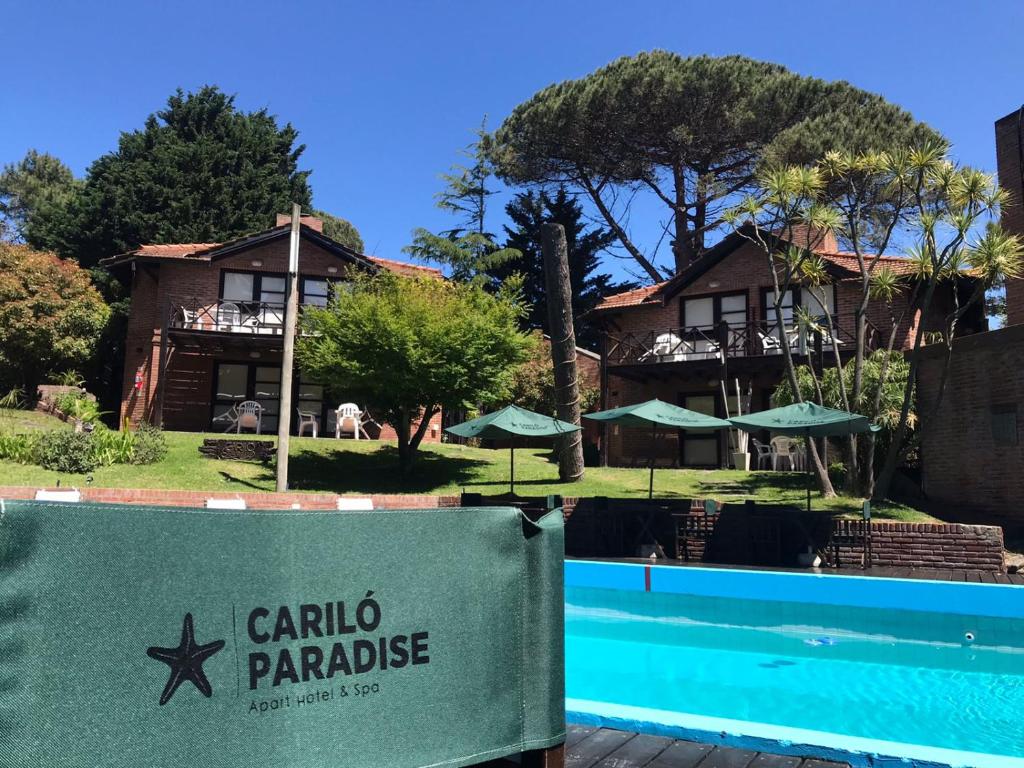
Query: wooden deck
[[931, 574], [606, 748]]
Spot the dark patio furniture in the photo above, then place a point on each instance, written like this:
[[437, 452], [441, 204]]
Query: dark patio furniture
[[853, 536], [765, 539], [693, 532]]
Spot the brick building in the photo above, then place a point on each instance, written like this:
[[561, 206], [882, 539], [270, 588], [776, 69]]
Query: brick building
[[1010, 161], [971, 453], [714, 322], [206, 322]]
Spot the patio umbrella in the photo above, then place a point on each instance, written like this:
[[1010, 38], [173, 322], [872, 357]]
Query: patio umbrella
[[654, 414], [509, 422], [806, 420]]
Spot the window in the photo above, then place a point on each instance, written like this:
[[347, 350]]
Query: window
[[272, 290], [708, 311], [267, 392], [733, 310], [232, 387], [315, 291], [820, 300], [699, 313], [788, 303], [238, 287], [700, 447], [1004, 424]]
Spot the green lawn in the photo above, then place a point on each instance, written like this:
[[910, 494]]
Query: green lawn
[[28, 421], [371, 467]]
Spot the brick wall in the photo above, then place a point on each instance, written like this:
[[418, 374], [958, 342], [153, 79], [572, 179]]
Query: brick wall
[[1009, 142], [932, 545], [962, 463], [257, 500]]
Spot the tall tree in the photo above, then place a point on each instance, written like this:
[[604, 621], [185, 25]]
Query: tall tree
[[341, 230], [35, 183], [692, 132], [199, 170], [468, 250], [528, 212]]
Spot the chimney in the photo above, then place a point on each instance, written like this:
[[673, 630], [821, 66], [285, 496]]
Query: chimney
[[1010, 161], [805, 236], [284, 219]]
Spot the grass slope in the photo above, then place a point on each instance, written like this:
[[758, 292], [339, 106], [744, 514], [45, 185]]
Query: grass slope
[[371, 467]]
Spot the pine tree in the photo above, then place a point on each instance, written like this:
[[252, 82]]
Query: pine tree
[[199, 170], [528, 211], [468, 250], [691, 133]]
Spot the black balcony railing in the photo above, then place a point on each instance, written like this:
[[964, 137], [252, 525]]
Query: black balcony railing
[[243, 317], [728, 340]]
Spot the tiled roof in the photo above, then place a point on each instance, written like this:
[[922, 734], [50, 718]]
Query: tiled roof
[[173, 249], [631, 298], [848, 261], [190, 250], [405, 268]]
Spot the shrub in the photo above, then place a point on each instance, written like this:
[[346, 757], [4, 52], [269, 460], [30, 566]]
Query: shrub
[[64, 451], [837, 474], [150, 444], [110, 447], [19, 448]]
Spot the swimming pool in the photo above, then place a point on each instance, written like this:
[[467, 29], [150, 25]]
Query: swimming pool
[[848, 667]]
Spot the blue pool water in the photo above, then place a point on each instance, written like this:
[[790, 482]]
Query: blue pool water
[[907, 677]]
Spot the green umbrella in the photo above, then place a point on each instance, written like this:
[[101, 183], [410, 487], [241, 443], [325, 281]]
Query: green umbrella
[[509, 422], [806, 420], [654, 414]]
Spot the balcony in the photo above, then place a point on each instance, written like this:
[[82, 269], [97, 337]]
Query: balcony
[[718, 343], [252, 318]]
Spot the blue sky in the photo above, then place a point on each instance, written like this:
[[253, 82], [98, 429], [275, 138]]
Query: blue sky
[[385, 93]]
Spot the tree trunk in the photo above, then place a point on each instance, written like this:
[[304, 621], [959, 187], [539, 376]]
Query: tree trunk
[[405, 450], [563, 348]]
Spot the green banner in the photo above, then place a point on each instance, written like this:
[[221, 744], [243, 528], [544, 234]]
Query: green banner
[[142, 636]]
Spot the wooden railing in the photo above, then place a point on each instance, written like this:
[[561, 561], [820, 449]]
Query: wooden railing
[[729, 340], [243, 317]]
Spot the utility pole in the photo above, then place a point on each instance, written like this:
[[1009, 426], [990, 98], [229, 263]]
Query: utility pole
[[291, 311], [563, 348]]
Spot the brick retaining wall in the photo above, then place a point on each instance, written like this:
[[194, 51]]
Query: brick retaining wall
[[255, 500], [933, 545], [908, 545]]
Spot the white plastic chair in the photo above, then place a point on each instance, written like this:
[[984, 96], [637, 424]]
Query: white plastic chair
[[248, 415], [229, 316], [782, 448], [308, 419], [770, 345], [764, 453], [348, 412], [183, 318]]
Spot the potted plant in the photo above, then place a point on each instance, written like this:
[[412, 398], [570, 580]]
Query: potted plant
[[740, 457]]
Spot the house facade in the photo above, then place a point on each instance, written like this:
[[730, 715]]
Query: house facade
[[679, 340], [206, 326]]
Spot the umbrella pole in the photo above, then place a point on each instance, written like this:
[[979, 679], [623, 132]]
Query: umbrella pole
[[512, 467], [807, 467], [654, 446]]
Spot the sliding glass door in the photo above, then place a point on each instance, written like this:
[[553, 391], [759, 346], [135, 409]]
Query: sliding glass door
[[235, 383]]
